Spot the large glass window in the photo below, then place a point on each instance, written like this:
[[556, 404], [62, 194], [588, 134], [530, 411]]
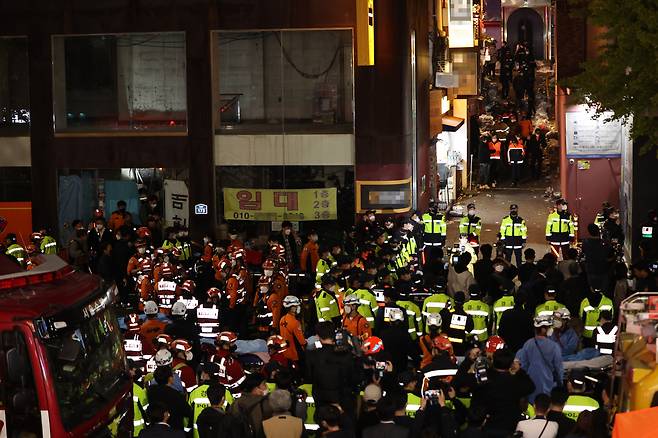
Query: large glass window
[[14, 88], [123, 82], [283, 82]]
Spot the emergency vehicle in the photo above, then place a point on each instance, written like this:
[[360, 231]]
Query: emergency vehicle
[[63, 371]]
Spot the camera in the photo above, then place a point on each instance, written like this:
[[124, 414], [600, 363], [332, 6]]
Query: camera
[[380, 366], [480, 367], [433, 396]]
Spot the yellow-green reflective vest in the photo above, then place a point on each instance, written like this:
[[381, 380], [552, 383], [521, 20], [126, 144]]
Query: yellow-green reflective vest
[[590, 314]]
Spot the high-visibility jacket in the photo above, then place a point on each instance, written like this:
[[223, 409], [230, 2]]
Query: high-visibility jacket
[[435, 229], [310, 407], [185, 250], [590, 314], [326, 306], [506, 302], [548, 308], [198, 400], [560, 229], [168, 244], [599, 220], [515, 153], [605, 341], [471, 227], [514, 232], [16, 251], [140, 404], [435, 303], [458, 325], [414, 318], [323, 266], [494, 150], [48, 245], [481, 313], [367, 305], [578, 403], [413, 404]]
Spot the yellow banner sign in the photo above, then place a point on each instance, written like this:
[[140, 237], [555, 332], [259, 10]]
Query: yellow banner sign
[[279, 205]]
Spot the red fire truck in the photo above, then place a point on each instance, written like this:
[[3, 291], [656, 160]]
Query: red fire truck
[[63, 371]]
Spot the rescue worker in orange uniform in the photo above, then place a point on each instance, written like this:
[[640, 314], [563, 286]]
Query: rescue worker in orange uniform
[[208, 249], [310, 253], [151, 328], [238, 258], [426, 342], [494, 158], [134, 261], [278, 280], [290, 328], [515, 156], [353, 321], [268, 307]]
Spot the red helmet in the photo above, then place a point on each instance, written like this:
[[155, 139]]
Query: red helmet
[[268, 265], [226, 338], [163, 340], [167, 270], [442, 343], [145, 265], [175, 252], [494, 343], [181, 345], [278, 250], [214, 292], [36, 236], [239, 253], [189, 286], [372, 345], [132, 322], [143, 232], [277, 343]]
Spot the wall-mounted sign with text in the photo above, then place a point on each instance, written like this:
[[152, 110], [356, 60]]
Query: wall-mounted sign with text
[[279, 205]]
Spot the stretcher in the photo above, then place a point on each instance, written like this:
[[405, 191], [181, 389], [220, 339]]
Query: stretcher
[[598, 363]]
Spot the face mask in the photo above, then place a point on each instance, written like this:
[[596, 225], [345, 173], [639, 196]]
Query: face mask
[[557, 323], [141, 250], [471, 212], [268, 272], [313, 238], [99, 228], [499, 268], [549, 332], [263, 289], [371, 218], [564, 208], [287, 231], [206, 240], [153, 205], [348, 310]]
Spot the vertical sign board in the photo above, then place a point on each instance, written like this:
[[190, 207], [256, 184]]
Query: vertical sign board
[[460, 24], [365, 32], [177, 202]]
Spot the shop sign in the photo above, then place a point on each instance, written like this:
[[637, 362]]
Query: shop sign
[[280, 204], [177, 201], [593, 137], [460, 24], [201, 209]]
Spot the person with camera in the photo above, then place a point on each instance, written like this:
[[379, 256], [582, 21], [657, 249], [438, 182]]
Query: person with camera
[[377, 365], [434, 417], [331, 370], [395, 335], [507, 384]]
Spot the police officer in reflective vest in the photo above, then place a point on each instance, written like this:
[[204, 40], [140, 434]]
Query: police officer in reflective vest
[[560, 229], [456, 323], [435, 232], [326, 304], [577, 402], [606, 333], [436, 302], [506, 302], [471, 226], [550, 306], [198, 398], [480, 312], [414, 318], [140, 405], [590, 311], [14, 249], [514, 233]]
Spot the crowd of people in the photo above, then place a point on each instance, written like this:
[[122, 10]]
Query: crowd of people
[[391, 330]]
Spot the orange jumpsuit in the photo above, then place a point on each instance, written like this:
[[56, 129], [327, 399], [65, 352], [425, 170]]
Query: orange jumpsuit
[[151, 329], [279, 285], [208, 253], [245, 276], [233, 290], [133, 265], [357, 326], [291, 330], [310, 250], [426, 348]]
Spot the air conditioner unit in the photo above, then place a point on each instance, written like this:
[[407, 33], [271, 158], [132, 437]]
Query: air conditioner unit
[[446, 80]]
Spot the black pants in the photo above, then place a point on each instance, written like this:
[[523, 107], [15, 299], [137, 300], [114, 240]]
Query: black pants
[[516, 172], [493, 170], [517, 255]]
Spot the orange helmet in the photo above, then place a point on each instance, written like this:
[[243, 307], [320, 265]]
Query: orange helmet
[[494, 343], [372, 345], [189, 286], [163, 340], [239, 253], [276, 342], [181, 345], [442, 343], [268, 265], [226, 338], [143, 232], [213, 292]]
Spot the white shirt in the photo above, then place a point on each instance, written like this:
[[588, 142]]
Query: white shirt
[[533, 428]]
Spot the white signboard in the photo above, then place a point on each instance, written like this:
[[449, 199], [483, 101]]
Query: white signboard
[[460, 24], [177, 201], [593, 137]]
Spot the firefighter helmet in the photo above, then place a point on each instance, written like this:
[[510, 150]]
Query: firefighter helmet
[[188, 286], [36, 236], [226, 338], [143, 232], [434, 319], [163, 358], [214, 292], [175, 252], [181, 345], [442, 343], [494, 343], [163, 340], [268, 265], [543, 321], [351, 300], [562, 313], [150, 308], [239, 253], [278, 250], [277, 343], [372, 345], [291, 301], [179, 309]]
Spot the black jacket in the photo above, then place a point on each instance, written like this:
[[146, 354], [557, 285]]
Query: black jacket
[[399, 345], [173, 400], [333, 375], [501, 397], [160, 430], [212, 423], [516, 327], [564, 424]]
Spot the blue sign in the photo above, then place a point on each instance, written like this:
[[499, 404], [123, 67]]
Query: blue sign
[[201, 209]]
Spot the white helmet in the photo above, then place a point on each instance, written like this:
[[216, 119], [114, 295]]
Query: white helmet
[[163, 358], [351, 300], [434, 319], [150, 308], [396, 314], [291, 301], [543, 321], [562, 313], [178, 309]]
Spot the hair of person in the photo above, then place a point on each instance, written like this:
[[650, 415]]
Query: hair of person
[[486, 250], [529, 254], [252, 381], [542, 403], [543, 265], [325, 330], [572, 253], [593, 230], [283, 379], [386, 408], [329, 414], [583, 424], [216, 393], [559, 396], [156, 412], [503, 359], [162, 375], [280, 401]]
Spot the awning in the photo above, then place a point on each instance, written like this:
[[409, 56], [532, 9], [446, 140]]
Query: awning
[[451, 123]]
